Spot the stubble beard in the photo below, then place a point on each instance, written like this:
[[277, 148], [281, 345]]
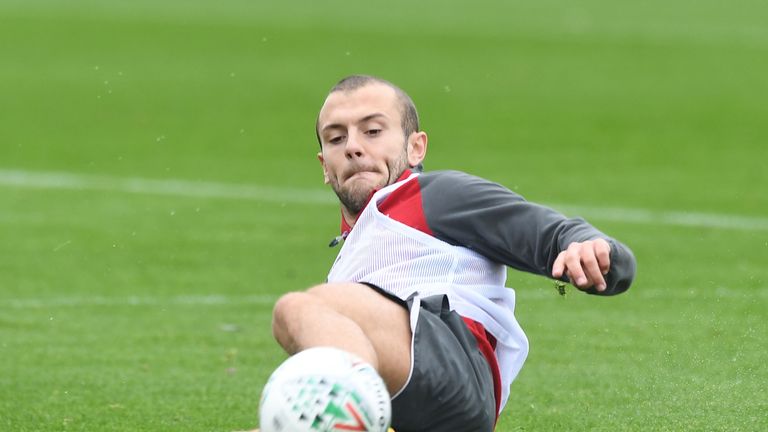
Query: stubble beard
[[355, 196]]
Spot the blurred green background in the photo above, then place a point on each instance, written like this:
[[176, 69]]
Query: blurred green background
[[159, 189]]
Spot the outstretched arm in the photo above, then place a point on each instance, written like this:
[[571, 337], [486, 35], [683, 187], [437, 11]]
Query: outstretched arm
[[486, 217]]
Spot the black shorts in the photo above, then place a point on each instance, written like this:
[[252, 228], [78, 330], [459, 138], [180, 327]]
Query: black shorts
[[450, 387]]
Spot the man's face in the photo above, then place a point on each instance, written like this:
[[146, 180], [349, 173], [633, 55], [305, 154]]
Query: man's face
[[363, 144]]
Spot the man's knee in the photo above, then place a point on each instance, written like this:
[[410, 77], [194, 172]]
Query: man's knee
[[293, 305], [289, 303], [357, 302], [284, 314]]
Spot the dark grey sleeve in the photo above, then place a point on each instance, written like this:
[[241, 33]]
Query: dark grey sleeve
[[490, 219]]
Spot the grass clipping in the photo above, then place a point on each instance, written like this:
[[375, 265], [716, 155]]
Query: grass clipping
[[560, 287]]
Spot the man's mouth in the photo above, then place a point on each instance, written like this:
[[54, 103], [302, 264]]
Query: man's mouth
[[360, 174]]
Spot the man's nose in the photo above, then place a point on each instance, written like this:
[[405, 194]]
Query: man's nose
[[354, 147]]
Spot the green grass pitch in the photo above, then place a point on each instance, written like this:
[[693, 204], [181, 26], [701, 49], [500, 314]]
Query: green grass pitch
[[159, 190]]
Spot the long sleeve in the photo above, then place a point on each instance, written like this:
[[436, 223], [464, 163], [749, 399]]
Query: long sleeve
[[490, 219]]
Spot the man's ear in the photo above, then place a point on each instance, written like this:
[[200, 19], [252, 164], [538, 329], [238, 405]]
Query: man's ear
[[417, 148], [325, 171]]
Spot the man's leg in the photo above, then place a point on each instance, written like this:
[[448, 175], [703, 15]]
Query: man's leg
[[350, 316]]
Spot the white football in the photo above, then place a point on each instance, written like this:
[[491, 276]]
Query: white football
[[324, 389]]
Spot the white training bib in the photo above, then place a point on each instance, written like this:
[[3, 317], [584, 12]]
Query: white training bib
[[403, 261]]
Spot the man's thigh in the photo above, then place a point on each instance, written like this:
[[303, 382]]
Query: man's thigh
[[383, 319]]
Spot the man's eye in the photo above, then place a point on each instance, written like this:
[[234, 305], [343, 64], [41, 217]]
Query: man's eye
[[336, 139], [373, 132]]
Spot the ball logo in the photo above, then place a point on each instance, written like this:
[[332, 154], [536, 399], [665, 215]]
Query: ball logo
[[321, 390], [328, 406], [347, 419]]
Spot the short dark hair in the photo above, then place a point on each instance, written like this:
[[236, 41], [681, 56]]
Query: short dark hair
[[410, 117]]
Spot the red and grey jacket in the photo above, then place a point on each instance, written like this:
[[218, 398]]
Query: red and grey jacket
[[447, 232], [464, 210]]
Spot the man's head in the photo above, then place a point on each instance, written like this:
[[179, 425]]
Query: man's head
[[409, 117], [368, 131]]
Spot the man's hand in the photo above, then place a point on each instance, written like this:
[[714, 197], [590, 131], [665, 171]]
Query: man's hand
[[584, 263]]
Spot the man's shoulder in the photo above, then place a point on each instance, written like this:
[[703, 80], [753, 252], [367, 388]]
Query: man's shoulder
[[456, 184], [449, 178], [447, 175]]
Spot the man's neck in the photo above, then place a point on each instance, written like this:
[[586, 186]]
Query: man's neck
[[348, 218]]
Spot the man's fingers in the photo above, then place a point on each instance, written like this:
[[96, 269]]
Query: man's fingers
[[591, 267], [603, 254], [590, 262], [574, 276], [573, 265], [559, 266], [585, 264]]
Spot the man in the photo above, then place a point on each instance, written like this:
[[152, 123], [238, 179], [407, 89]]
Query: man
[[417, 289]]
